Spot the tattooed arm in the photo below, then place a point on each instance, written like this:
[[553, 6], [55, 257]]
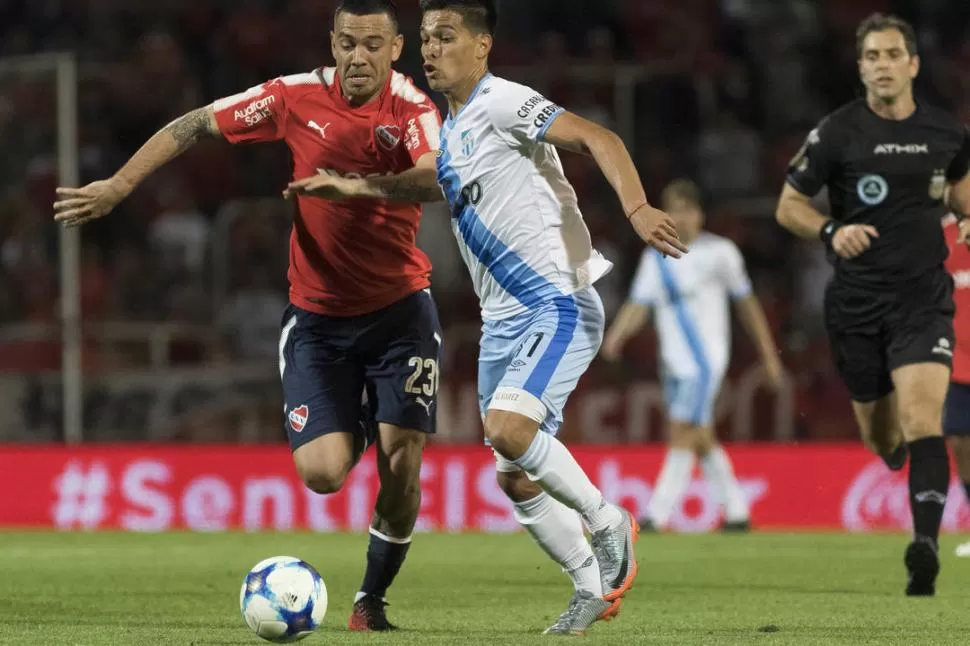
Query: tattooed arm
[[167, 144], [78, 205], [418, 184]]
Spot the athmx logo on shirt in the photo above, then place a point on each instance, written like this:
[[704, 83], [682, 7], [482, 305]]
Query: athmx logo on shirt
[[902, 149]]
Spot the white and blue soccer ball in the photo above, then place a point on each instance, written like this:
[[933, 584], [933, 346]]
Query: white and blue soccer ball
[[283, 599]]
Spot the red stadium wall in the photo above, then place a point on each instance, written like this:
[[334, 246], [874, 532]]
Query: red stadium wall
[[216, 488]]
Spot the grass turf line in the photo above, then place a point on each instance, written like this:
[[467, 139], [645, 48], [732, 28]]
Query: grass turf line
[[107, 589]]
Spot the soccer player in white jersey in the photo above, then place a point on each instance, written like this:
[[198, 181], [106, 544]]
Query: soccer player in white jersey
[[689, 298], [529, 253]]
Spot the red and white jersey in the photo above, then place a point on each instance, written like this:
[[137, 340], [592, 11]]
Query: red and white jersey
[[354, 257], [958, 264]]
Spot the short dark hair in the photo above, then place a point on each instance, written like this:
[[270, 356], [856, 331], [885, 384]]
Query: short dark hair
[[368, 8], [479, 15], [883, 22]]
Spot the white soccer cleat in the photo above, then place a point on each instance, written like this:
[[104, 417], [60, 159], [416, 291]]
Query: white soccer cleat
[[963, 550]]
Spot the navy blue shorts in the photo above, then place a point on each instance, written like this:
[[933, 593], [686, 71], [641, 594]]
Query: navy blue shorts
[[328, 363], [956, 411]]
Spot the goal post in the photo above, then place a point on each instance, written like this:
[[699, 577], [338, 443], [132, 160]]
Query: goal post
[[63, 66]]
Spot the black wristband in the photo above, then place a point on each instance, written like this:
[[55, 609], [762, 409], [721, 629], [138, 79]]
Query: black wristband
[[828, 232]]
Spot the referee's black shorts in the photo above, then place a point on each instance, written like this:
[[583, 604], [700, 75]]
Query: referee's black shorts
[[872, 333]]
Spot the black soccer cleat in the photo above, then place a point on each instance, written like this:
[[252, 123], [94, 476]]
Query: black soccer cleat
[[897, 459], [923, 564], [369, 616], [736, 526]]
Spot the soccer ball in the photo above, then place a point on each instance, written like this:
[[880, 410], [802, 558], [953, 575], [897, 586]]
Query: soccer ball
[[283, 599]]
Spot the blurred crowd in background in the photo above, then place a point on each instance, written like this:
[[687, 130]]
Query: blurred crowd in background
[[721, 91]]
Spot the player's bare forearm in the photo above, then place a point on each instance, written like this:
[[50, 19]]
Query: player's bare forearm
[[165, 145], [756, 325], [579, 135], [413, 185], [959, 197], [630, 320], [796, 213]]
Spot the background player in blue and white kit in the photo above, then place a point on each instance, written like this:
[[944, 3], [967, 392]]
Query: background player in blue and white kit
[[689, 298], [529, 253]]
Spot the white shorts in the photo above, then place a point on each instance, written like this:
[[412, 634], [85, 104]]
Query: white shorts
[[690, 400], [530, 363]]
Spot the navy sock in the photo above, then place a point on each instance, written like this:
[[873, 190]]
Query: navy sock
[[384, 560]]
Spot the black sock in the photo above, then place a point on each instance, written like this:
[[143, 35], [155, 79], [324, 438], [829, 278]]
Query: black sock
[[966, 487], [929, 480], [384, 560]]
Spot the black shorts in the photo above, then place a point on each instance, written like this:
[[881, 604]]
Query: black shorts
[[327, 363], [956, 412], [874, 333]]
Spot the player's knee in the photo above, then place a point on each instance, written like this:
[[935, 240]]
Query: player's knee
[[682, 436], [704, 442], [323, 480], [324, 463], [510, 434]]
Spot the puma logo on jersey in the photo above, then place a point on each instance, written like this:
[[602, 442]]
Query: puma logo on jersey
[[902, 149], [424, 404], [313, 125]]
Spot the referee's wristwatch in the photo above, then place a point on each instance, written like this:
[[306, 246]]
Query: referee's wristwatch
[[827, 233]]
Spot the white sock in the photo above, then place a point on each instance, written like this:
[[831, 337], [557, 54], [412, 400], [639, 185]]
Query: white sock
[[724, 485], [671, 485], [548, 462], [558, 531]]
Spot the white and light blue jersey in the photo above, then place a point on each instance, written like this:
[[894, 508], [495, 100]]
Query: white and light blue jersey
[[690, 298], [515, 215]]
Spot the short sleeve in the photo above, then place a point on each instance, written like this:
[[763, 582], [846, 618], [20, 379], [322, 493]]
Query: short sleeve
[[960, 165], [735, 274], [418, 117], [258, 114], [421, 126], [520, 114], [646, 286], [814, 164]]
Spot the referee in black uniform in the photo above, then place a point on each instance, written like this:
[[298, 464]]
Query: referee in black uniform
[[888, 161]]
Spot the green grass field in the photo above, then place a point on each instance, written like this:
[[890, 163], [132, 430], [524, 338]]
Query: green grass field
[[758, 589]]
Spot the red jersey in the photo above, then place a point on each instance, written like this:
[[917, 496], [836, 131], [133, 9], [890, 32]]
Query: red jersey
[[355, 257], [958, 264]]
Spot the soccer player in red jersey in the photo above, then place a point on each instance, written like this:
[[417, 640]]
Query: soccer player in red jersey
[[956, 412], [361, 320]]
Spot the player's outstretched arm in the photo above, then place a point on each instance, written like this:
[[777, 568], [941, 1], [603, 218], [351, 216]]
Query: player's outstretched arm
[[755, 323], [631, 319], [76, 206], [796, 213], [579, 135], [417, 184]]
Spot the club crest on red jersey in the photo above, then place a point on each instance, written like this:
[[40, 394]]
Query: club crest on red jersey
[[388, 136], [298, 417]]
